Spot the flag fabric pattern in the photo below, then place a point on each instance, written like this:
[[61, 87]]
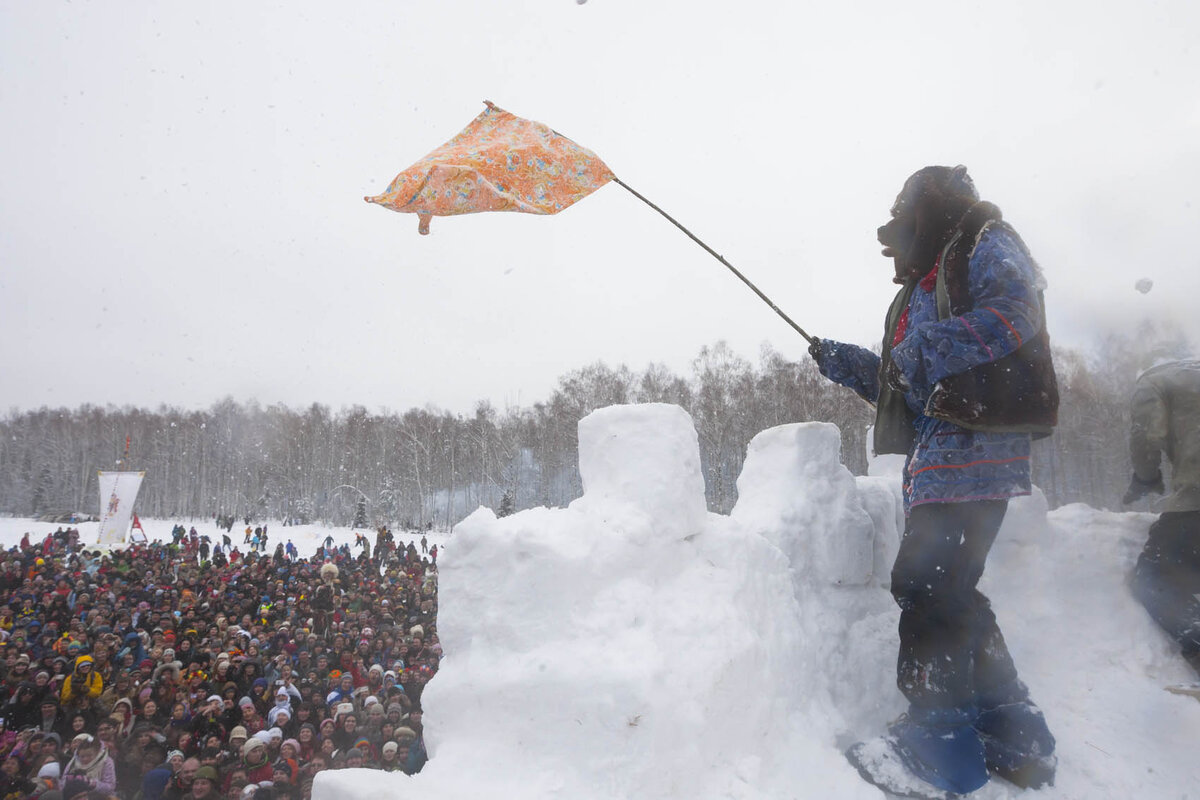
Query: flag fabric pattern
[[499, 162]]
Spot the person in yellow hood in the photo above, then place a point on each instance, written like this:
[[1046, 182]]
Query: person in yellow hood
[[83, 686]]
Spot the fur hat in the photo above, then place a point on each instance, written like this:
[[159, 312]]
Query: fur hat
[[928, 207]]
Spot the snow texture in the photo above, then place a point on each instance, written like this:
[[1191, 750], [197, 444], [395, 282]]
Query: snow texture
[[634, 645]]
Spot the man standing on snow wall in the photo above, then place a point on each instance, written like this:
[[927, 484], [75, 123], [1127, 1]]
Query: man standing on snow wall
[[964, 382], [1166, 420]]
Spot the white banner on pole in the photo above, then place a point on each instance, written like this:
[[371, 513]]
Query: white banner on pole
[[118, 490]]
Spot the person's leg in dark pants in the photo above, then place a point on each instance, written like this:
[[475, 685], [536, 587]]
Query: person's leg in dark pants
[[943, 619], [1166, 579], [954, 666]]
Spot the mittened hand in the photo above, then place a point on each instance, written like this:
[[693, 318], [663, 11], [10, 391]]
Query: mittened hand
[[1139, 488]]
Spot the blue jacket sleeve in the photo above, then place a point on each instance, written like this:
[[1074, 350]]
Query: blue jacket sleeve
[[1004, 283], [852, 366]]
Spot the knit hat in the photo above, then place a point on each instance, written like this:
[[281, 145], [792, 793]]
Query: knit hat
[[251, 744], [245, 701], [288, 767], [239, 732], [293, 743], [276, 734], [207, 774], [390, 747]]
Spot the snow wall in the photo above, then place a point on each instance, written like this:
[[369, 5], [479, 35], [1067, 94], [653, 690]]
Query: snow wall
[[634, 645]]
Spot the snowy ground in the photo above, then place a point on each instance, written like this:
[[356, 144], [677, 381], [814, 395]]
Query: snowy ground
[[635, 646]]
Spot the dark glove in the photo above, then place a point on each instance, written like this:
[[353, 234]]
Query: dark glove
[[1139, 488], [814, 350], [896, 379]]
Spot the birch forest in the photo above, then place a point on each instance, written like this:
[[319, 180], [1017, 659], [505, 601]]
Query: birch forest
[[425, 467]]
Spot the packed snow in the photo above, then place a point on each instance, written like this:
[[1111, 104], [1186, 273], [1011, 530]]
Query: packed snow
[[633, 645]]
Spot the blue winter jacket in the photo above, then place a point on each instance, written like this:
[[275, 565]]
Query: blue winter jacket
[[948, 463]]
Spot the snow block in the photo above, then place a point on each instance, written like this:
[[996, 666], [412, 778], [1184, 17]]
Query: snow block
[[1025, 520], [882, 500], [643, 460], [590, 655], [794, 491]]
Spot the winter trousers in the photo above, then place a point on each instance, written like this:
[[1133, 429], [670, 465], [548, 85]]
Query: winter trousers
[[1166, 579], [969, 714], [951, 650]]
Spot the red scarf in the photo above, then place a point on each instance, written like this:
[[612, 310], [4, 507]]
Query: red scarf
[[927, 284]]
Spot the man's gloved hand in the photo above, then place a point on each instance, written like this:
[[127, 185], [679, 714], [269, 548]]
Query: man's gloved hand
[[814, 350], [1139, 488], [896, 379]]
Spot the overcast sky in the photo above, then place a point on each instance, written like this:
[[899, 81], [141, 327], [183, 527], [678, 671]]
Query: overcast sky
[[181, 213]]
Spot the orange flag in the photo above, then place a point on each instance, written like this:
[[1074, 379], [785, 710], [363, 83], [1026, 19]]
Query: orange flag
[[500, 162]]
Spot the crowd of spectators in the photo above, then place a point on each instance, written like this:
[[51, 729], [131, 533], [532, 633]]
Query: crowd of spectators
[[151, 672]]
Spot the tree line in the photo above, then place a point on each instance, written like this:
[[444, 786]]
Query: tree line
[[427, 467]]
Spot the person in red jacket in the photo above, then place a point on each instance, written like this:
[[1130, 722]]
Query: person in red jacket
[[255, 760]]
